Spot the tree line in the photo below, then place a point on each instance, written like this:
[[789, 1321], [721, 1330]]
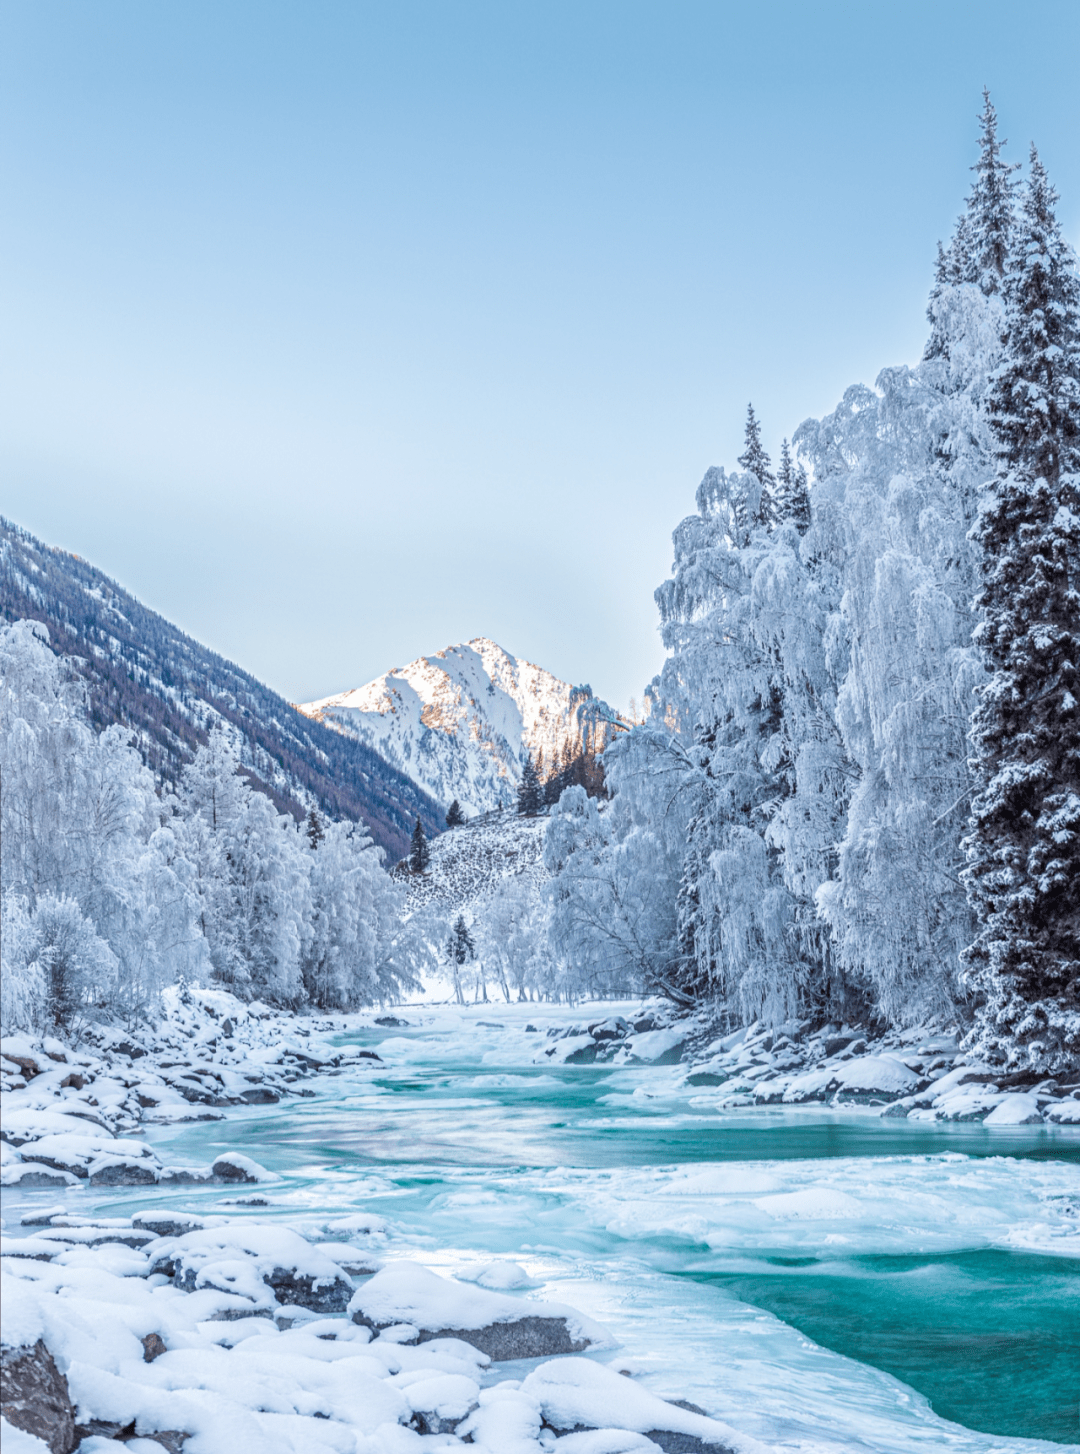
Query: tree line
[[856, 793]]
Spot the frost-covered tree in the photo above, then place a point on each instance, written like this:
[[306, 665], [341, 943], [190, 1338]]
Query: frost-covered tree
[[511, 929], [983, 244], [726, 683], [792, 491], [112, 891], [351, 954], [314, 829], [1024, 846], [455, 818], [818, 690], [85, 841], [251, 876], [612, 891], [460, 951]]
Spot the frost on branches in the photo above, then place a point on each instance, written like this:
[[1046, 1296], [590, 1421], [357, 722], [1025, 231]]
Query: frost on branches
[[786, 832], [111, 892]]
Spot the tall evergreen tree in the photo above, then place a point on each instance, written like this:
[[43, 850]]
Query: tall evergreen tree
[[756, 462], [983, 240], [979, 250], [529, 797], [455, 818], [792, 497], [314, 829], [1023, 872], [556, 779], [420, 856], [462, 946]]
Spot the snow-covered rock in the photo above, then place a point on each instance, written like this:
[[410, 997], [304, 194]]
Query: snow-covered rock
[[460, 723], [405, 1293], [575, 1391], [258, 1262], [36, 1399]]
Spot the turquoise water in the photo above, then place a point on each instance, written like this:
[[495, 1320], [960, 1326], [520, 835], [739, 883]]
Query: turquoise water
[[991, 1338], [881, 1240]]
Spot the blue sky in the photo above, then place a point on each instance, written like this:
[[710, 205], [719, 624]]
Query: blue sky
[[339, 332]]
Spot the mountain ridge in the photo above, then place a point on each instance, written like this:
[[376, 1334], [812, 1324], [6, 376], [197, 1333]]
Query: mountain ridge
[[145, 673], [462, 721]]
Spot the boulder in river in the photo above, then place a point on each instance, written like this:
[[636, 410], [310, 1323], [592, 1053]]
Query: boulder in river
[[405, 1293], [233, 1167], [261, 1262]]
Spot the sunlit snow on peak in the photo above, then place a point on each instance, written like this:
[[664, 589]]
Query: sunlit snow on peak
[[459, 722]]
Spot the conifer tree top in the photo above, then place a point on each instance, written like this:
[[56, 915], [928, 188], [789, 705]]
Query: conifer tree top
[[756, 462], [983, 234]]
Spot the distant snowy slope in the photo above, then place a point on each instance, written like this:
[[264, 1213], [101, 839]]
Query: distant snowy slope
[[469, 863], [143, 672], [460, 722]]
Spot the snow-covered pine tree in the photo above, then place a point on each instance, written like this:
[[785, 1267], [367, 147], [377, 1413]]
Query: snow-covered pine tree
[[1023, 851], [558, 776], [791, 499], [529, 797], [314, 829], [420, 856], [757, 463], [454, 816], [979, 250], [981, 247], [462, 947]]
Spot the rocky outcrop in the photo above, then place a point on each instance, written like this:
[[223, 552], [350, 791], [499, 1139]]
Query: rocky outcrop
[[34, 1396]]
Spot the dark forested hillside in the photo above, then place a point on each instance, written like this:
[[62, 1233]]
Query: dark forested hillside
[[143, 672]]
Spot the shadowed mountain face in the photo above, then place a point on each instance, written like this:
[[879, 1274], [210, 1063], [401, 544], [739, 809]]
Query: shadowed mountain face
[[144, 673]]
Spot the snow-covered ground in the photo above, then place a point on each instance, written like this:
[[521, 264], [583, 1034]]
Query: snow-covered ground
[[460, 722], [599, 1190]]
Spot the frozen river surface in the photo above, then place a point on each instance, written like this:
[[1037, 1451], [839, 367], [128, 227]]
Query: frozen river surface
[[824, 1280]]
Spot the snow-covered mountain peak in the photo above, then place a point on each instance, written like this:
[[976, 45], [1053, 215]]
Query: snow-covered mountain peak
[[459, 722]]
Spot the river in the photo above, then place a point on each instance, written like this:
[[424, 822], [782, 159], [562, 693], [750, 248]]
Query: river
[[823, 1279]]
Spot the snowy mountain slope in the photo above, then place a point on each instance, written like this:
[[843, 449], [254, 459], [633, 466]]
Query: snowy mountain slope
[[468, 863], [143, 672], [490, 875], [460, 722]]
